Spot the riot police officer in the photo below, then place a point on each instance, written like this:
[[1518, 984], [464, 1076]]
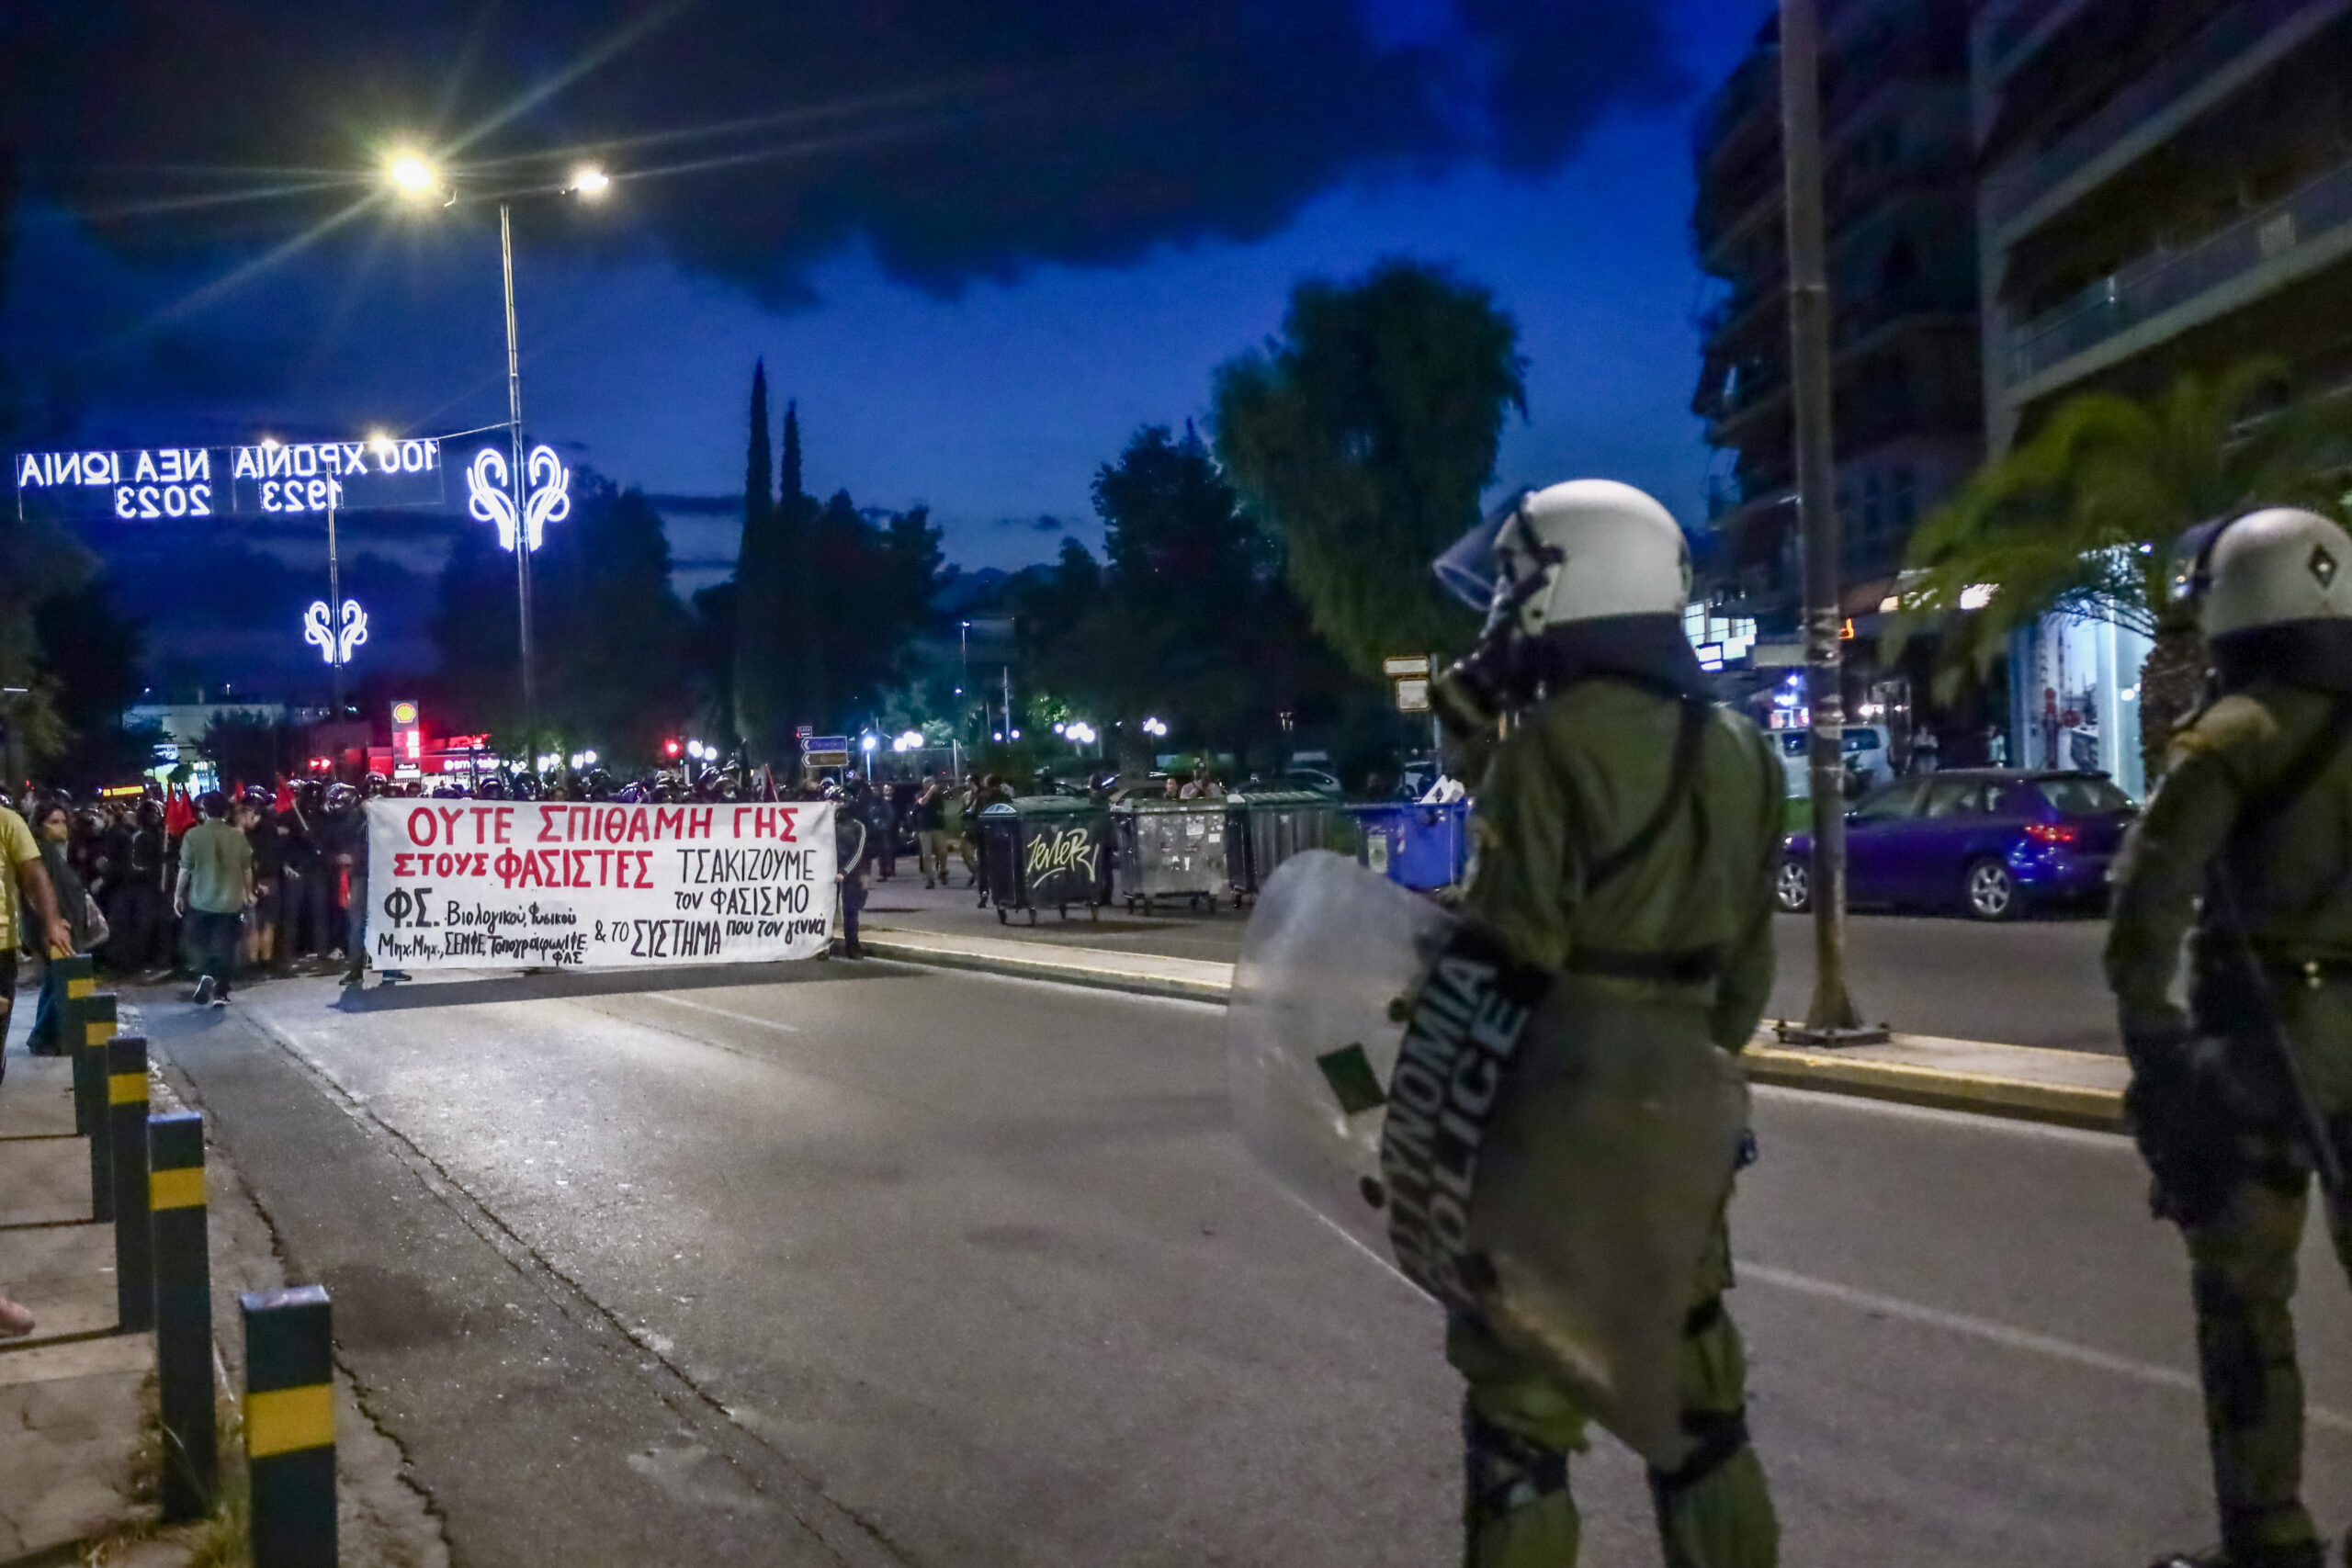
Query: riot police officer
[[1626, 836], [2236, 1101]]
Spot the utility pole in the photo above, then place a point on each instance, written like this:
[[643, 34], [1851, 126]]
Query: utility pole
[[1832, 1019], [335, 611], [522, 530]]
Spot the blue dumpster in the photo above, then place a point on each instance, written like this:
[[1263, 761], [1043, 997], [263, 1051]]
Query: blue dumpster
[[1422, 846]]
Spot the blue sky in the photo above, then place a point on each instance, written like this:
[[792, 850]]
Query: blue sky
[[993, 404]]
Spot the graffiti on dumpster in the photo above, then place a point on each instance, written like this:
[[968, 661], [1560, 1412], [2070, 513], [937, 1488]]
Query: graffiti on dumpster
[[1070, 848]]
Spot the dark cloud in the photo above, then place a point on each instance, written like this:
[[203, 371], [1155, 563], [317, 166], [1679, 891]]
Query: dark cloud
[[958, 140]]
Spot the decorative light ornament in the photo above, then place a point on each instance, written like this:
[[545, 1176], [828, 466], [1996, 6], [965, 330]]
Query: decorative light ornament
[[334, 645], [548, 497]]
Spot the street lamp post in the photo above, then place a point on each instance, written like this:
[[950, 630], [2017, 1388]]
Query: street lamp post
[[413, 176], [515, 431]]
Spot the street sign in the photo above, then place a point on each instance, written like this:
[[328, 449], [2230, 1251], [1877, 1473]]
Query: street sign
[[1413, 696], [269, 478], [826, 759], [824, 743], [1395, 669]]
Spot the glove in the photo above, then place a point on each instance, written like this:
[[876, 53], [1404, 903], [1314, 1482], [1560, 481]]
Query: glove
[[2186, 1129]]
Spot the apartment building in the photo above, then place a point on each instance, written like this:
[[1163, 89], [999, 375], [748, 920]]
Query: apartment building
[[1904, 293], [2163, 185]]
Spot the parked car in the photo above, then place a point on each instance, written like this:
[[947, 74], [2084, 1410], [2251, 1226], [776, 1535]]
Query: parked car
[[1313, 779], [1870, 759], [1993, 841]]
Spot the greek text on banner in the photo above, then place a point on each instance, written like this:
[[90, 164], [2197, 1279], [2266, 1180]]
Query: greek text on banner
[[482, 885]]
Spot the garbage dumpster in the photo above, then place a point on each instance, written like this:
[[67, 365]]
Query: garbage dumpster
[[1265, 828], [1044, 853], [1423, 847], [1170, 849]]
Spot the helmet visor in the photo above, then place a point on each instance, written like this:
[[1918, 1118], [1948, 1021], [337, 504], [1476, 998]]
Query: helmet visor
[[2192, 559], [1472, 566]]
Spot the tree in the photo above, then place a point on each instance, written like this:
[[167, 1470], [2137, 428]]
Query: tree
[[762, 662], [1189, 619], [1363, 434], [475, 635], [616, 637], [90, 653], [247, 747], [2084, 518]]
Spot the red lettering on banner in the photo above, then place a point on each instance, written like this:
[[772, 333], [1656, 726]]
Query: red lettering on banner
[[450, 817], [699, 822], [550, 873], [431, 828], [645, 869], [400, 864], [636, 830], [481, 828], [604, 866], [615, 826], [671, 824], [548, 819], [505, 824], [579, 822], [784, 833]]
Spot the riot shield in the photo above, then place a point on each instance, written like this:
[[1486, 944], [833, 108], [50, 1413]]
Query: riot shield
[[1331, 954], [1551, 1157]]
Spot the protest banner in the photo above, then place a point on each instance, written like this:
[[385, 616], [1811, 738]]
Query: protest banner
[[595, 884]]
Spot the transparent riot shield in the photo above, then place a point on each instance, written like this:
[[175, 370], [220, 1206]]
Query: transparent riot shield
[[1555, 1168], [1332, 952]]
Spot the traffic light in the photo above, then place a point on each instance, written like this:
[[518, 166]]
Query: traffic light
[[671, 747]]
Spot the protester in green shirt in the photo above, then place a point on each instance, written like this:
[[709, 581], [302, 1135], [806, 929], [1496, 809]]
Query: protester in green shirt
[[216, 885], [18, 851]]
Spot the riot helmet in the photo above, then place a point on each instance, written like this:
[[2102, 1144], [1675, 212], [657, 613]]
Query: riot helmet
[[2271, 568], [375, 785]]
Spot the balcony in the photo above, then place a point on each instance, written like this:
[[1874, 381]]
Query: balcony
[[2278, 236], [2193, 68]]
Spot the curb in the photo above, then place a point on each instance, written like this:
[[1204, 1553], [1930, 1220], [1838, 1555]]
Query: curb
[[1938, 1089], [1093, 976], [2085, 1106]]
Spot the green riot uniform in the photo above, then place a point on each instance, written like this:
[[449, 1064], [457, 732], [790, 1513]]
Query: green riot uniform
[[2260, 783], [1627, 839]]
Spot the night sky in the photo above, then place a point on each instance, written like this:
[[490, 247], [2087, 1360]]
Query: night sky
[[978, 268]]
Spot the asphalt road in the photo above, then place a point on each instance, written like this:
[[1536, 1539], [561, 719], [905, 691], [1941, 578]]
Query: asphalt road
[[882, 1265], [2033, 982]]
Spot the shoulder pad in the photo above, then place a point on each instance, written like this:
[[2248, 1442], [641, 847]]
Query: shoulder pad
[[2234, 723]]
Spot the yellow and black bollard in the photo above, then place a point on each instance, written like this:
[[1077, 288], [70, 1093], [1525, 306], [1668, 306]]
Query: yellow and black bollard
[[183, 1314], [134, 1245], [98, 1029], [289, 1427], [76, 978]]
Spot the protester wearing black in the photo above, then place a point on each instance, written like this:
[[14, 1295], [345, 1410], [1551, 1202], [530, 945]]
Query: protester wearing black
[[135, 907], [303, 899], [850, 840]]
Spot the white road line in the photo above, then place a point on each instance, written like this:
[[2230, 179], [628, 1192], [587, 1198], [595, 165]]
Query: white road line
[[2001, 1334], [723, 1012]]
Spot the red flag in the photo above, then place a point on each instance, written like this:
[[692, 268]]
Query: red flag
[[767, 789], [178, 815]]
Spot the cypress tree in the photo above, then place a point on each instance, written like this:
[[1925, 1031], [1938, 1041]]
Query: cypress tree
[[762, 579]]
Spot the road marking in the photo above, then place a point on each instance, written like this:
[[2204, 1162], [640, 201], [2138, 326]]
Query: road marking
[[1961, 1120], [2001, 1334], [723, 1012]]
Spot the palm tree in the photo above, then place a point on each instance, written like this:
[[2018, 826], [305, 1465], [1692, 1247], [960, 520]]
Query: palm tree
[[2083, 519]]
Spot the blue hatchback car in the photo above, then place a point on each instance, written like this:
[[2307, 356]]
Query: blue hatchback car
[[1993, 841]]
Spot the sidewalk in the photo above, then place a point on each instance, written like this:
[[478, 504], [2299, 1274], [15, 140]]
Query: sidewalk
[[71, 1397], [78, 1430], [2069, 1087]]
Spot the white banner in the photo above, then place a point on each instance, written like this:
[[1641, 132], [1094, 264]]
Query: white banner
[[486, 885]]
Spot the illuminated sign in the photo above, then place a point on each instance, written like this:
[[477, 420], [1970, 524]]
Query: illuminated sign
[[405, 714], [335, 643], [546, 495], [268, 479]]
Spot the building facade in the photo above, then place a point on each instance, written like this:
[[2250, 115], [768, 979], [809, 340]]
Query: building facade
[[2164, 186], [1905, 297]]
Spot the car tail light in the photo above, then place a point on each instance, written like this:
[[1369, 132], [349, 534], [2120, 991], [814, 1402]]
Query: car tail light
[[2052, 833]]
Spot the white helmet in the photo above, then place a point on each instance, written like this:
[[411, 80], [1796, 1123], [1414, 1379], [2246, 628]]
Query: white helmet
[[1580, 551], [2267, 569]]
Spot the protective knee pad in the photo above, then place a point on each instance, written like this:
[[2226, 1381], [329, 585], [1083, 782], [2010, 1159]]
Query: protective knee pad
[[1715, 1512], [1516, 1509]]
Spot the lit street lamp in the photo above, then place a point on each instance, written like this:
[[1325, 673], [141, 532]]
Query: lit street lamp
[[414, 178]]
